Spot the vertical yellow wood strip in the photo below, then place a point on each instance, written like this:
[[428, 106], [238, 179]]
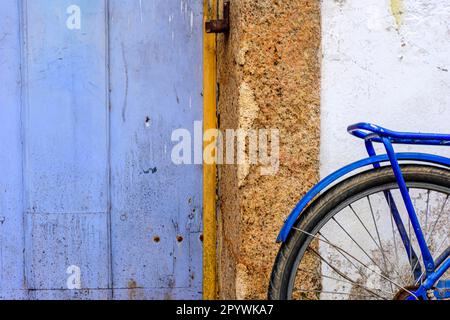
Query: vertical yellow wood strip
[[209, 171]]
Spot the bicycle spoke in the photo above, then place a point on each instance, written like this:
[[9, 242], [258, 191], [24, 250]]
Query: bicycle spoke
[[378, 235], [357, 244], [343, 275], [357, 249], [357, 260], [410, 252], [437, 250], [429, 238], [370, 235], [364, 226], [438, 218], [394, 239], [316, 274], [346, 258], [427, 211], [331, 292]]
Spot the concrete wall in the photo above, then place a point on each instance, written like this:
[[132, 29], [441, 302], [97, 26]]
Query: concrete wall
[[269, 77]]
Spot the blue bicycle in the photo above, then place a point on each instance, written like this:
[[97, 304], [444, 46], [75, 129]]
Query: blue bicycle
[[382, 233]]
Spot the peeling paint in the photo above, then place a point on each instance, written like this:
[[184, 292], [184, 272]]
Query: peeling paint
[[397, 11], [151, 170]]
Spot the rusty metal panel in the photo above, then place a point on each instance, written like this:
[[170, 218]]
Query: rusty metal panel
[[91, 94], [65, 124], [156, 87], [65, 113], [11, 226]]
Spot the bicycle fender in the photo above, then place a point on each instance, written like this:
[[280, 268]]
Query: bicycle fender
[[328, 181]]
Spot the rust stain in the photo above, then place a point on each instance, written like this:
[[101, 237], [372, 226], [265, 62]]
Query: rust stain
[[171, 285], [132, 287]]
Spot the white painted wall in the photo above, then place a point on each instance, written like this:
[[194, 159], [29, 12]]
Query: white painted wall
[[375, 70], [385, 68]]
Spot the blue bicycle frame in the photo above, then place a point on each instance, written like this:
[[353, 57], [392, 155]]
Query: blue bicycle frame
[[434, 269]]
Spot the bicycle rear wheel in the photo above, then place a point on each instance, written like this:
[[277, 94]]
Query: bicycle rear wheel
[[347, 245]]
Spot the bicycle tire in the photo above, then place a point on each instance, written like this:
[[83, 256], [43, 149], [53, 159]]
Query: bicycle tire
[[293, 250]]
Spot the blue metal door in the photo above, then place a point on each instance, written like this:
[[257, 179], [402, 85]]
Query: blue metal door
[[91, 205]]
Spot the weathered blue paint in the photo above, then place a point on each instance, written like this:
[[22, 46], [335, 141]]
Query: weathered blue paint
[[86, 174], [65, 145], [11, 218]]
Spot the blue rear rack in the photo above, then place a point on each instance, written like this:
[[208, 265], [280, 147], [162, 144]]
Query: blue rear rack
[[374, 133]]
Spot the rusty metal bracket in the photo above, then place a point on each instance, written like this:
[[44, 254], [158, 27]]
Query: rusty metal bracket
[[221, 25]]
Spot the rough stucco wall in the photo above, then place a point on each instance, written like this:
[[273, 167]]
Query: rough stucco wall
[[269, 77]]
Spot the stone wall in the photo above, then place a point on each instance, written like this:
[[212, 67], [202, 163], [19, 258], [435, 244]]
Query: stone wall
[[269, 78]]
